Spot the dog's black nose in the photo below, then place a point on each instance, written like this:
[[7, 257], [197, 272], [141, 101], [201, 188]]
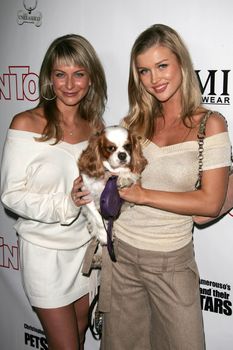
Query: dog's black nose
[[122, 156]]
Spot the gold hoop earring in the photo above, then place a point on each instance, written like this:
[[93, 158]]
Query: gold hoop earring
[[51, 88]]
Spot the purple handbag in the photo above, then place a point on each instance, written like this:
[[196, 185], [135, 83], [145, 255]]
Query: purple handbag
[[110, 207]]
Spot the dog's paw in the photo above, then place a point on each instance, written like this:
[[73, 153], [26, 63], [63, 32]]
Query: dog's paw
[[101, 235], [97, 258], [127, 180]]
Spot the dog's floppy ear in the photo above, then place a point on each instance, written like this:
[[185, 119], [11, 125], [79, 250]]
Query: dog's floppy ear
[[90, 161], [138, 161]]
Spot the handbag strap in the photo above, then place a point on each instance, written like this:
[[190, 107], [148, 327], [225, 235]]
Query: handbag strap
[[200, 140], [95, 318], [110, 245]]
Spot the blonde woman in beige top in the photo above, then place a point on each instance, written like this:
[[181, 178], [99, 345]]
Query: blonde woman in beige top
[[155, 301]]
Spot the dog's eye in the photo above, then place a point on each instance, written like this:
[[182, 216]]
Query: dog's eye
[[128, 147], [111, 149]]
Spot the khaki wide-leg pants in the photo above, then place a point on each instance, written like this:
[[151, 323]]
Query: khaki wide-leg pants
[[155, 301]]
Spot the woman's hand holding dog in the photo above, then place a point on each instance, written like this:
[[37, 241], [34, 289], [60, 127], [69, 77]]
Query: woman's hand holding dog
[[78, 194], [133, 194]]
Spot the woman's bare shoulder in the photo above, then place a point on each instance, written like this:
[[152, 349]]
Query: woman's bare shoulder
[[31, 120], [215, 123], [21, 120]]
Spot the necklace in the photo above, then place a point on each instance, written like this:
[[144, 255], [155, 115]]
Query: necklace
[[65, 129], [71, 132]]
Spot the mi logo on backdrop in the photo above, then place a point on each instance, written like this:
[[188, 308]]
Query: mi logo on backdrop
[[214, 86]]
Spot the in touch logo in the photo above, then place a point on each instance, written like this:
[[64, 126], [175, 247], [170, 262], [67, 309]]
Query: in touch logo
[[9, 255], [19, 83], [214, 86]]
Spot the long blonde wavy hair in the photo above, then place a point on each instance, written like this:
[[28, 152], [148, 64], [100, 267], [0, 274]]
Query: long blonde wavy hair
[[143, 107]]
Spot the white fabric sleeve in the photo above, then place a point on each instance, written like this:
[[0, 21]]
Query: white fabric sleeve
[[217, 151], [52, 207]]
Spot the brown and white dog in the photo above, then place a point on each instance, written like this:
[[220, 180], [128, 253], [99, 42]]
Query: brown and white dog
[[113, 150]]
